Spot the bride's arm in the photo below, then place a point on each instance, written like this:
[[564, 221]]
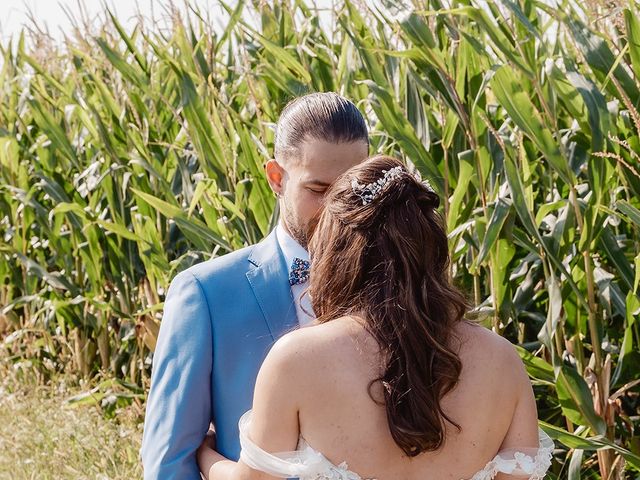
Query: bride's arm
[[213, 465], [274, 418]]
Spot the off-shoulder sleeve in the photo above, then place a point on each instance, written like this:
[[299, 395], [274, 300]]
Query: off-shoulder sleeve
[[303, 463], [529, 463]]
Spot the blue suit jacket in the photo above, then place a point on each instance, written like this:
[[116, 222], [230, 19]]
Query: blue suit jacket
[[220, 319]]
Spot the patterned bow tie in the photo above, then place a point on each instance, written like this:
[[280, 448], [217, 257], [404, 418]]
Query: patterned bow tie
[[299, 272]]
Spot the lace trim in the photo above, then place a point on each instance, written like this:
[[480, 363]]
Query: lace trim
[[534, 468], [307, 463], [304, 463]]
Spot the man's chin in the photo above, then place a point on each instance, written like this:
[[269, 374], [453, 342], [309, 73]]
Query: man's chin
[[300, 237], [297, 233], [302, 240]]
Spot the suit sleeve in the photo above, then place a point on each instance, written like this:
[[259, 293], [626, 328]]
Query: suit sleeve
[[178, 409]]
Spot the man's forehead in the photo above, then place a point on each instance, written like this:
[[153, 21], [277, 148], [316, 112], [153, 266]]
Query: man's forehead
[[314, 147], [320, 155]]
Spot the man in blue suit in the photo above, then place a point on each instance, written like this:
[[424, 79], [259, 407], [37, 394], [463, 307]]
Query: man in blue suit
[[222, 316]]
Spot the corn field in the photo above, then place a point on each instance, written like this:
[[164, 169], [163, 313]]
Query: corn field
[[127, 155]]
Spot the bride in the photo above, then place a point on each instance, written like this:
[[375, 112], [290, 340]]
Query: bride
[[390, 382]]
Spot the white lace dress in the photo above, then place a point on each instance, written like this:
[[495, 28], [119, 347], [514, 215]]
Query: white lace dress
[[308, 464]]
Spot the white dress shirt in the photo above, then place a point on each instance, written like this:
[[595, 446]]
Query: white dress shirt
[[292, 249]]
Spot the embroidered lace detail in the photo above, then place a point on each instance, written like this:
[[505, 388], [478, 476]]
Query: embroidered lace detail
[[532, 467]]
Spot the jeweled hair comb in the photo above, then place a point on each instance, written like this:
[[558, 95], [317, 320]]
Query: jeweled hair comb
[[371, 191]]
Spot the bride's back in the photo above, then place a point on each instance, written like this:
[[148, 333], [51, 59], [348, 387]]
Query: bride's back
[[338, 360], [380, 251]]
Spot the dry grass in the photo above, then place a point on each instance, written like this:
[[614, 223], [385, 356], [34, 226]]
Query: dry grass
[[42, 436]]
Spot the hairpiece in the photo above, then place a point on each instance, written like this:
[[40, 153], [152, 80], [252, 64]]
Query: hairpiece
[[372, 190], [424, 182]]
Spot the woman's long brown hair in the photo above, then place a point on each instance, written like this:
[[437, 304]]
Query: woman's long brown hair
[[387, 263]]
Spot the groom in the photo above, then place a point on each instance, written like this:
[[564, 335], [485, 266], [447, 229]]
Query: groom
[[222, 316]]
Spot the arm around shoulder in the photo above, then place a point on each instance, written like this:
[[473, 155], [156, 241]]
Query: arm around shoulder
[[178, 409]]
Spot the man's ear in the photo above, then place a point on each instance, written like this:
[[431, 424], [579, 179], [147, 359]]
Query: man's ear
[[275, 175]]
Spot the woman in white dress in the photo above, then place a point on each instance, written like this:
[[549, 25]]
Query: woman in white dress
[[390, 383]]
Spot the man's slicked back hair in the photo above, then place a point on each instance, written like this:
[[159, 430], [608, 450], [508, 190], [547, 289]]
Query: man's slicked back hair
[[321, 116]]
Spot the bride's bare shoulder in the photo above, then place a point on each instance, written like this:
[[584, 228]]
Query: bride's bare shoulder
[[483, 349], [474, 337], [319, 339], [475, 342], [322, 343], [304, 357]]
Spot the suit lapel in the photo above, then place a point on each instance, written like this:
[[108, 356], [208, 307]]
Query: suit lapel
[[269, 280]]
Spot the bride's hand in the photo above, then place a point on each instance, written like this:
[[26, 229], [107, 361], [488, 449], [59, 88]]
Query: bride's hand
[[206, 453], [209, 440]]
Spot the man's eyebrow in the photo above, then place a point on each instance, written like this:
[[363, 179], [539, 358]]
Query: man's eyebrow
[[319, 183]]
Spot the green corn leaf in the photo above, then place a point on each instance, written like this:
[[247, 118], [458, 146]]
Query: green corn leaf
[[633, 39], [576, 401], [575, 464], [119, 230], [537, 368], [505, 85], [630, 211], [127, 70], [588, 443], [496, 222]]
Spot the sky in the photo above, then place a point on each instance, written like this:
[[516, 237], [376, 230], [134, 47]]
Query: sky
[[54, 13]]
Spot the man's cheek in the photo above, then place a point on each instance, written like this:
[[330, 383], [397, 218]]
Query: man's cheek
[[316, 203], [308, 209]]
